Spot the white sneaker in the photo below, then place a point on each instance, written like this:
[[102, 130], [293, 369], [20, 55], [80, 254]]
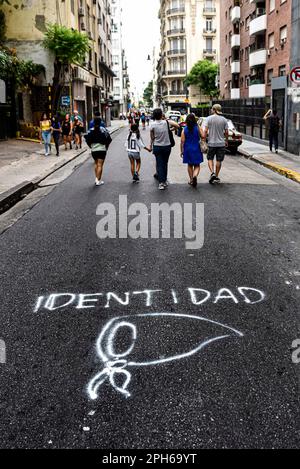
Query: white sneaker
[[162, 187], [99, 183]]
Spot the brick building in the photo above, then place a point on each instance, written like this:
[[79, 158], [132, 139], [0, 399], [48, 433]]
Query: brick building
[[255, 38], [255, 59]]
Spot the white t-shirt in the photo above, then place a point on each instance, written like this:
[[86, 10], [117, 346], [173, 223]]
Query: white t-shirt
[[161, 133], [134, 144]]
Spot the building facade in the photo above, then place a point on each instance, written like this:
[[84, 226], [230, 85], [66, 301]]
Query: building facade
[[255, 38], [189, 33], [255, 62], [121, 80], [89, 87], [293, 106]]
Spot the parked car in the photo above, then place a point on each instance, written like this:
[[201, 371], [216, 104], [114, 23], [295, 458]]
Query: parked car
[[235, 138]]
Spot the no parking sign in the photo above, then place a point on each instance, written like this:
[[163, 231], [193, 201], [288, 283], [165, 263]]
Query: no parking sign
[[295, 75]]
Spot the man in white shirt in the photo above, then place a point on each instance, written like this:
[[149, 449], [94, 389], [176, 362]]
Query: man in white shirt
[[216, 129]]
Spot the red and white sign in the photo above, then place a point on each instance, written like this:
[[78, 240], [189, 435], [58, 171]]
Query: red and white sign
[[295, 75]]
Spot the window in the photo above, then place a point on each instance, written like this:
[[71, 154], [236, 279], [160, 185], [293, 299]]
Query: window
[[283, 34], [271, 41], [272, 5], [270, 75], [282, 71]]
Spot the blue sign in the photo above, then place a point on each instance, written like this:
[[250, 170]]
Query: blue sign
[[65, 101]]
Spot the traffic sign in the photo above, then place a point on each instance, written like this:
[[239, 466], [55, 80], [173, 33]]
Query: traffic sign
[[65, 100], [295, 75]]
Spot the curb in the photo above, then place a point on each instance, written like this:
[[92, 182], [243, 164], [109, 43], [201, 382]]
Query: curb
[[275, 167], [11, 197]]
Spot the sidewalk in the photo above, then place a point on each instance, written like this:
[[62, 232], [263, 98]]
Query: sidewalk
[[284, 163], [23, 166]]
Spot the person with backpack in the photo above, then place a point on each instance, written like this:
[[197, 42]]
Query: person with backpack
[[274, 128], [162, 141], [134, 145], [191, 149], [99, 140]]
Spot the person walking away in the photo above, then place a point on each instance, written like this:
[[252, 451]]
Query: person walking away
[[134, 145], [97, 116], [56, 132], [148, 120], [190, 148], [98, 139], [216, 130], [161, 145], [137, 118], [274, 128], [143, 119], [45, 132], [78, 130], [67, 131]]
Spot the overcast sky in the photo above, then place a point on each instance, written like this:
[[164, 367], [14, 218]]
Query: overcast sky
[[140, 34]]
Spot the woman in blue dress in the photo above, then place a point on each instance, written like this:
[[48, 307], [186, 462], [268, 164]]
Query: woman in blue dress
[[191, 149]]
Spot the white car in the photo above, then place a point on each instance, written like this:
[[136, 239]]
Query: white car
[[173, 115]]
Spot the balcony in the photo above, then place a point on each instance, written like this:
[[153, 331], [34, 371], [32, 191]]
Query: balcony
[[257, 90], [235, 93], [176, 11], [175, 32], [235, 67], [258, 24], [177, 72], [258, 57], [177, 93], [235, 40], [236, 14], [209, 52], [209, 32], [209, 11], [176, 52]]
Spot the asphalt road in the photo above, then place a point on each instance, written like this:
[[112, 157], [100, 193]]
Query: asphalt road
[[214, 375]]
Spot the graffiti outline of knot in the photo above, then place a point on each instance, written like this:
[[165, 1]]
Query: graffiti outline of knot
[[112, 368]]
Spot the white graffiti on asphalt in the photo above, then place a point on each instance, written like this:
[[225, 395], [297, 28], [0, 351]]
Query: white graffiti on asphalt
[[116, 364], [197, 296]]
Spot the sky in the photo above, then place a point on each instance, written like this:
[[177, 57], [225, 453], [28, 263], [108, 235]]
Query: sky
[[141, 32]]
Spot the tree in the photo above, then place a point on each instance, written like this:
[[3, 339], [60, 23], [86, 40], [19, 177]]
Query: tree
[[204, 74], [148, 94], [21, 73], [69, 47]]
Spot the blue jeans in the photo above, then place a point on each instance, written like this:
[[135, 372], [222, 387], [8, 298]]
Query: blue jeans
[[47, 141], [162, 155]]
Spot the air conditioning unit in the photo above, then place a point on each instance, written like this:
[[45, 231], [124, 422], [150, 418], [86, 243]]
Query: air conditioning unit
[[99, 20], [269, 53], [81, 11]]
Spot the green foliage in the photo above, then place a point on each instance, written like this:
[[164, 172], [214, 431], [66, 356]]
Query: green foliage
[[148, 94], [21, 72], [68, 45], [204, 74]]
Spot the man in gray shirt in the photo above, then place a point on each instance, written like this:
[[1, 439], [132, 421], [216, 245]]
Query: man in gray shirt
[[216, 129]]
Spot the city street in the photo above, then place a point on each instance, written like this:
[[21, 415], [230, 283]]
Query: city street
[[169, 347]]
